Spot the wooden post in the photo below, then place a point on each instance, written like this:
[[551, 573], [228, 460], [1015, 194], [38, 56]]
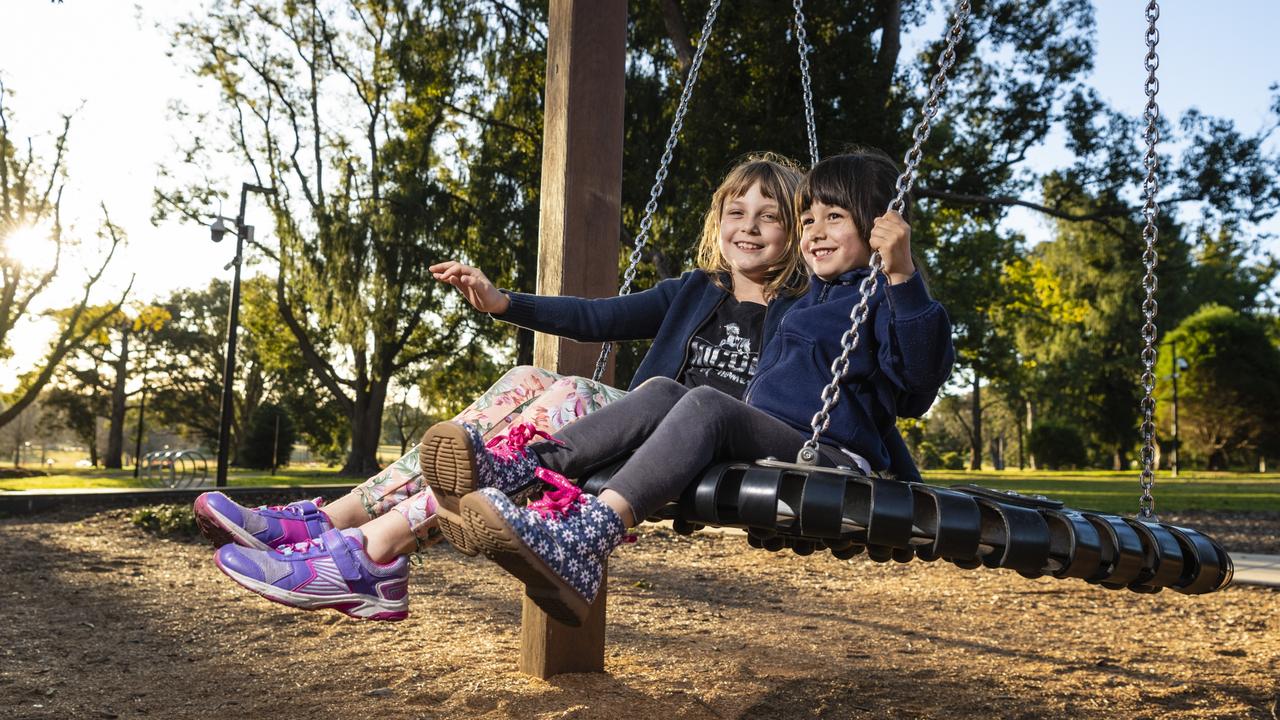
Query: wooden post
[[578, 244]]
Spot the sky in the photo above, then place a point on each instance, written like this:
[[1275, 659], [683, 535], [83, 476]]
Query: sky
[[105, 61]]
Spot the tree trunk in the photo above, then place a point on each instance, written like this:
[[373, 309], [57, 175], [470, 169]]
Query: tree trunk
[[524, 346], [112, 460], [1119, 461], [366, 429], [975, 438]]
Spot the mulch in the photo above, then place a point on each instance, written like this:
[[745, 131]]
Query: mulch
[[102, 620]]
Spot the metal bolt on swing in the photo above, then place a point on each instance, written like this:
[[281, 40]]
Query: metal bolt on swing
[[830, 395]]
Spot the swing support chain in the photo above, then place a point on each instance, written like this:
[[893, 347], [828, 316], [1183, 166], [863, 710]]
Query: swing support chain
[[808, 454], [803, 47], [1150, 211], [646, 220]]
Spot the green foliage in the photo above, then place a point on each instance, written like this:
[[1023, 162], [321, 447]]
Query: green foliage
[[167, 520], [1056, 445], [1229, 395], [429, 146], [269, 440]]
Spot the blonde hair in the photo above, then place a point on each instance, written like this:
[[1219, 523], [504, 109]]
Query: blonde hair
[[779, 177]]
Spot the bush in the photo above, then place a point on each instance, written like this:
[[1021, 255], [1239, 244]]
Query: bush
[[166, 520], [952, 460], [1056, 446], [255, 451]]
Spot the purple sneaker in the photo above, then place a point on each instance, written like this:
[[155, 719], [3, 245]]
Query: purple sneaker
[[456, 461], [332, 571], [557, 545], [223, 520]]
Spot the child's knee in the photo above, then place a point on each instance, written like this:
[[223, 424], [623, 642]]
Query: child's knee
[[663, 386], [707, 396], [524, 372]]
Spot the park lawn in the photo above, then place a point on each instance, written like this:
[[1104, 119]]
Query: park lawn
[[76, 478], [1118, 492], [1088, 489]]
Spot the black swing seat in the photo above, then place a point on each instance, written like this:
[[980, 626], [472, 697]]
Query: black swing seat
[[809, 508]]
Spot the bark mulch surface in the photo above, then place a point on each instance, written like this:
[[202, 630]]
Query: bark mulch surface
[[102, 620]]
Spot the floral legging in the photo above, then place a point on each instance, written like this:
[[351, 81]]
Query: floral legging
[[524, 394]]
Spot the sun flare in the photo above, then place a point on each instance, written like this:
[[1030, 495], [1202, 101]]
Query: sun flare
[[31, 247]]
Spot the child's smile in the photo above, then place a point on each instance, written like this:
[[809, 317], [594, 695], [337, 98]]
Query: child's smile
[[752, 235], [830, 242]]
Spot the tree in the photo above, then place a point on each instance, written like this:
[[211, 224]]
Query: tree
[[31, 190], [270, 437], [365, 200], [1228, 397], [110, 365], [403, 423], [77, 410]]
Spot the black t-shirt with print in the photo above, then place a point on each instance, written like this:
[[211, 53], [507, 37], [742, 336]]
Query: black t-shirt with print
[[723, 353]]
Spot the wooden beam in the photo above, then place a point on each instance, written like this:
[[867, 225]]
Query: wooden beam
[[578, 244], [581, 165]]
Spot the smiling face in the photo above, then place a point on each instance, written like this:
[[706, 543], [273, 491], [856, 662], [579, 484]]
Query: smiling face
[[830, 240], [753, 235]]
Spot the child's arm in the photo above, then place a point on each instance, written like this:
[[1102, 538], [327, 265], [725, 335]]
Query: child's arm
[[637, 316], [915, 350]]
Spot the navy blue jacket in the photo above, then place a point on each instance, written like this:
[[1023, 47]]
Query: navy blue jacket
[[904, 355], [669, 313]]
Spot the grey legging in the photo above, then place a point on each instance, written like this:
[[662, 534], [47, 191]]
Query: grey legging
[[675, 432]]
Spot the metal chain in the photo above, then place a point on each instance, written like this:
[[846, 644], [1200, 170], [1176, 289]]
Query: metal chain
[[1150, 186], [646, 220], [802, 46], [849, 341]]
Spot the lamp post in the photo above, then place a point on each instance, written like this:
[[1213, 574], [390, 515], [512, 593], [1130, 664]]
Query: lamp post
[[242, 232], [1178, 365]]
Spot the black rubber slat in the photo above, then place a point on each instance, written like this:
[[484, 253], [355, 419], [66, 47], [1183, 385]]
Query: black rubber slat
[[1074, 543], [952, 519], [822, 505], [1019, 535], [1125, 561]]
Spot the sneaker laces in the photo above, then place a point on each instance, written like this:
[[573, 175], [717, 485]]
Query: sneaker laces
[[558, 502], [511, 445], [294, 508], [302, 546]]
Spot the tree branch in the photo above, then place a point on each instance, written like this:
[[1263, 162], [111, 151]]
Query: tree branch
[[678, 31]]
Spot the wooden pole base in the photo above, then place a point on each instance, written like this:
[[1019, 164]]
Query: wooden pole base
[[549, 647]]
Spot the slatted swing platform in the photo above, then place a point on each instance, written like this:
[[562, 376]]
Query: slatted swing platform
[[805, 508], [800, 505]]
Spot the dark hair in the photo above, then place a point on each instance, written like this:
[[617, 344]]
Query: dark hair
[[862, 181]]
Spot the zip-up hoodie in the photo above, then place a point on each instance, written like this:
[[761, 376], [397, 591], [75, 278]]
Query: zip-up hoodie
[[904, 355], [669, 313]]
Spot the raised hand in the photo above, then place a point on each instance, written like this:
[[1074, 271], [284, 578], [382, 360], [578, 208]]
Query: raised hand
[[473, 284], [891, 235]]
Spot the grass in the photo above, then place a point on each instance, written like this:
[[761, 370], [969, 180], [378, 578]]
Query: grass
[[1106, 491], [61, 478]]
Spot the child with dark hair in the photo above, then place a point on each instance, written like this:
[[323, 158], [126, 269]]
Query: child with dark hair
[[556, 545]]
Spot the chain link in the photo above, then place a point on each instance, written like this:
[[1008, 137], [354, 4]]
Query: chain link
[[646, 220], [849, 341], [1150, 211], [802, 46]]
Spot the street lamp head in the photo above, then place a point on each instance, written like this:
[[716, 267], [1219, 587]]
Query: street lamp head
[[218, 229]]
